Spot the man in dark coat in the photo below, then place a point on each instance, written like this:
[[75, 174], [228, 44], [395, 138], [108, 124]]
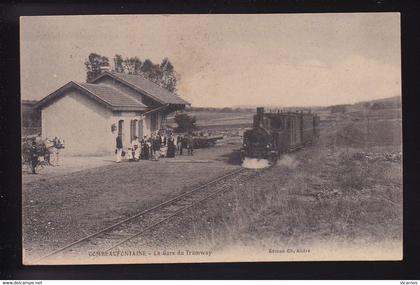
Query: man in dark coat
[[184, 143], [179, 144], [156, 147], [118, 148], [171, 147], [190, 145], [33, 152], [145, 154]]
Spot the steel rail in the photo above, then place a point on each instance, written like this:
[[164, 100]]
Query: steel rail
[[61, 249], [194, 203]]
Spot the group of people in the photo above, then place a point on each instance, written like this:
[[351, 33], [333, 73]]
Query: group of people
[[153, 147]]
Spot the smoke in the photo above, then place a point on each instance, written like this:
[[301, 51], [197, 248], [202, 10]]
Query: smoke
[[255, 163], [288, 161]]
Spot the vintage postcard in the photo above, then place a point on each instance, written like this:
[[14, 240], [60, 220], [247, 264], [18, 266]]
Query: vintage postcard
[[211, 138]]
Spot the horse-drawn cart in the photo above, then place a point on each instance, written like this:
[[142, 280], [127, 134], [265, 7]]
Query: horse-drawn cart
[[205, 141], [40, 153]]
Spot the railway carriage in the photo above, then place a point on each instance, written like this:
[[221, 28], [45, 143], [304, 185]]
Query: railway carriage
[[275, 133]]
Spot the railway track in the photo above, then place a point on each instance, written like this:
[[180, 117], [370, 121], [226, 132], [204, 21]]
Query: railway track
[[143, 222]]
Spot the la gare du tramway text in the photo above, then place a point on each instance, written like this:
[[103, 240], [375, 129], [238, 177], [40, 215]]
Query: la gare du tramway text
[[123, 253]]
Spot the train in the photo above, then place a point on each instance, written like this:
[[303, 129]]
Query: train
[[279, 132]]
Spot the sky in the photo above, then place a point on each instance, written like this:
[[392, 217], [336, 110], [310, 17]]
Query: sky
[[227, 60]]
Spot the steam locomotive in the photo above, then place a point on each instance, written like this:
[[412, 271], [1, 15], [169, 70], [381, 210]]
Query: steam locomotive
[[278, 132]]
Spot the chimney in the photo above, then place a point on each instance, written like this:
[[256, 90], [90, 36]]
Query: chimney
[[105, 68], [259, 117]]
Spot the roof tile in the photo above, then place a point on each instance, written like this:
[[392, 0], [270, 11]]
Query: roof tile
[[150, 88], [112, 96]]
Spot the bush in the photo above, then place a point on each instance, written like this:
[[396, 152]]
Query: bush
[[186, 123]]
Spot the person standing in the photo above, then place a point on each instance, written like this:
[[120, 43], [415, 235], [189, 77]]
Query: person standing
[[171, 146], [142, 148], [156, 147], [184, 143], [33, 153], [179, 144], [163, 140], [135, 146], [151, 145], [146, 148], [190, 145], [158, 137], [118, 148]]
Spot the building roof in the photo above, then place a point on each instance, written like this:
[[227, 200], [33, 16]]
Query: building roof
[[107, 95], [146, 87], [112, 96], [29, 102]]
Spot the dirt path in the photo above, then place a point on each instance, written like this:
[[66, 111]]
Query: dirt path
[[63, 208]]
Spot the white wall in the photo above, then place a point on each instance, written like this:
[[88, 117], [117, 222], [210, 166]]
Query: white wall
[[126, 117], [84, 124]]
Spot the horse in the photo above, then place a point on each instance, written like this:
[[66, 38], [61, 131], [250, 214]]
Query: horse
[[53, 148]]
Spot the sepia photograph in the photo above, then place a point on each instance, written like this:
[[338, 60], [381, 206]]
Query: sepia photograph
[[206, 138]]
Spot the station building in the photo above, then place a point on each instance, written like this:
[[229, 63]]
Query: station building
[[89, 116]]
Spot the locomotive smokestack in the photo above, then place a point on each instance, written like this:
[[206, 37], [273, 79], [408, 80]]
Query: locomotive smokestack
[[259, 117]]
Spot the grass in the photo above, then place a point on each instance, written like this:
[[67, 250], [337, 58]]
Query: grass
[[215, 120], [336, 191]]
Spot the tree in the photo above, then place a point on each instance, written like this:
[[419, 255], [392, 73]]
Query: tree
[[94, 64], [132, 65], [154, 74], [378, 106], [162, 74], [367, 105], [186, 123], [168, 79], [147, 67], [118, 63]]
